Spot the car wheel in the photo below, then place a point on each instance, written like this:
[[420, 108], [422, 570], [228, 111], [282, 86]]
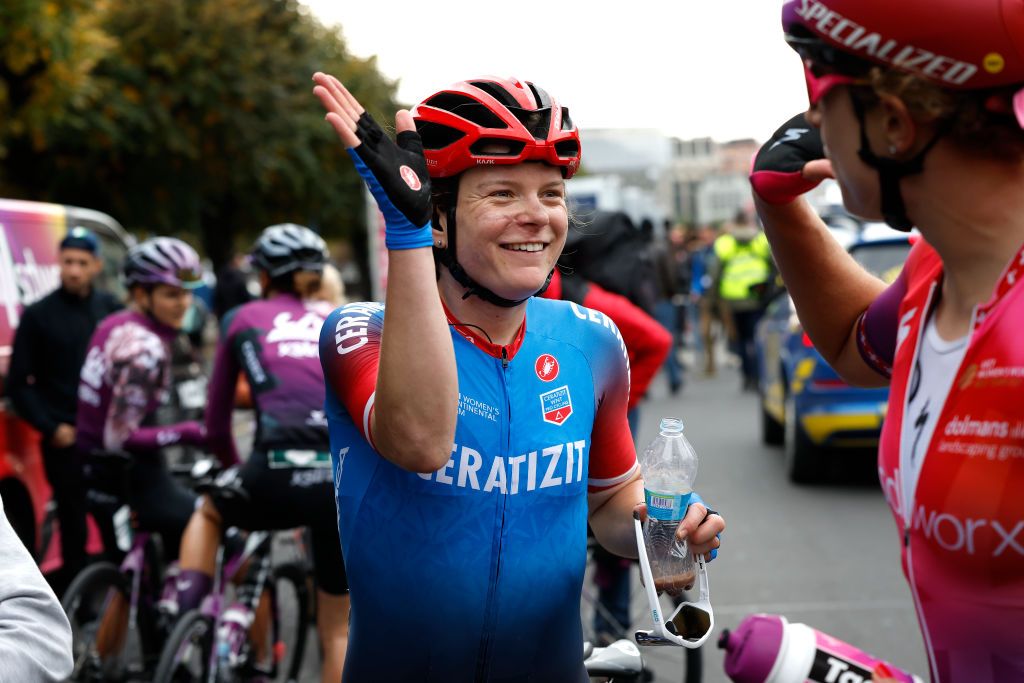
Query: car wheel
[[772, 432], [805, 462]]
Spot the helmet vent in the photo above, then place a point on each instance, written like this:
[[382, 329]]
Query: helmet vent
[[496, 147], [542, 98], [566, 121], [467, 108], [567, 149], [436, 135], [497, 92], [537, 121]]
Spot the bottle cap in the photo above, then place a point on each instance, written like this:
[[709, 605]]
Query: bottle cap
[[671, 425], [751, 650]]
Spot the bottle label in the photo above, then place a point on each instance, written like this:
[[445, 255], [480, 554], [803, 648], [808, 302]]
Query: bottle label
[[668, 506]]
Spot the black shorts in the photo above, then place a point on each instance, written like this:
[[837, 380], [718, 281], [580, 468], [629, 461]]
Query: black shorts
[[160, 503], [285, 496]]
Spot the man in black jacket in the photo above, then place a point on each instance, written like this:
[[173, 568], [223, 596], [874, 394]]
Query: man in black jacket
[[49, 350]]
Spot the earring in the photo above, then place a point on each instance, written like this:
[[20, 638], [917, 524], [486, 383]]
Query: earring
[[892, 149], [439, 244]]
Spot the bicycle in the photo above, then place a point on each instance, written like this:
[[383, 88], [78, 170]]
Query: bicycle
[[106, 646], [213, 643]]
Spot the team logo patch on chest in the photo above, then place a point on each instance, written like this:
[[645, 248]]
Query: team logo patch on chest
[[546, 367], [556, 405]]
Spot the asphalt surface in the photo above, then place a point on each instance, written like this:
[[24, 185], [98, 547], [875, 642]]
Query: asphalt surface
[[824, 555]]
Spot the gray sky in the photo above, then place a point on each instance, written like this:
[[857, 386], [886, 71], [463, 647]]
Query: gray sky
[[716, 68]]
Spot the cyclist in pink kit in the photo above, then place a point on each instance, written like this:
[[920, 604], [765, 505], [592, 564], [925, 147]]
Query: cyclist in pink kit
[[917, 109]]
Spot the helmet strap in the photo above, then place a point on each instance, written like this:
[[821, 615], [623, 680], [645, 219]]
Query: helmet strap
[[892, 171], [448, 259]]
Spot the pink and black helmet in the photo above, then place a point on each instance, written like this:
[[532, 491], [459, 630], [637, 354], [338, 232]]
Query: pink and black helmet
[[163, 261]]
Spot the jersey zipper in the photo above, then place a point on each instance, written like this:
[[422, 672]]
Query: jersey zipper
[[483, 662]]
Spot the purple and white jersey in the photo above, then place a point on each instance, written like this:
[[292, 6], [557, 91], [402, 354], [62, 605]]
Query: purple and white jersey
[[276, 342], [124, 380]]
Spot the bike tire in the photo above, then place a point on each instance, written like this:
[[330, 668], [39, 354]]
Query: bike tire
[[84, 604], [192, 636], [297, 576]]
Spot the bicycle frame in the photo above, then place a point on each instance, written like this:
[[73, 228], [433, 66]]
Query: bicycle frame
[[238, 615]]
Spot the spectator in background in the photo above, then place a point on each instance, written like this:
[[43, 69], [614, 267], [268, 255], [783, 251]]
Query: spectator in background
[[703, 301], [232, 288], [668, 287], [49, 350], [35, 636], [743, 271]]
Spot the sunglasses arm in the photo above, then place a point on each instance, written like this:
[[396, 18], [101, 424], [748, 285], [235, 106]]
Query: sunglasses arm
[[660, 635]]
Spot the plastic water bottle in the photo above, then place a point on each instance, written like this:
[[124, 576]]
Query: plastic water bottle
[[765, 648], [669, 467]]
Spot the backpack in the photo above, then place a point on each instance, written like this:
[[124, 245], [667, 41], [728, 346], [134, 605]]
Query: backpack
[[610, 251]]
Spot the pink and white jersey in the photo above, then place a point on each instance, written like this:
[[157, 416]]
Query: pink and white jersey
[[962, 525]]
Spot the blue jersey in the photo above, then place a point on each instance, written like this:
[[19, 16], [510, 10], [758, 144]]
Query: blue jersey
[[477, 568]]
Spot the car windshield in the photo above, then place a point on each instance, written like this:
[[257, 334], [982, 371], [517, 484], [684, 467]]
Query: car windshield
[[884, 259]]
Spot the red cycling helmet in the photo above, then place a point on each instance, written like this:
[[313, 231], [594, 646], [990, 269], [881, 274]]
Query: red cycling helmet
[[956, 44], [495, 121]]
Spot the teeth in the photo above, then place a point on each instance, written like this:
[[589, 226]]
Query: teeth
[[529, 246]]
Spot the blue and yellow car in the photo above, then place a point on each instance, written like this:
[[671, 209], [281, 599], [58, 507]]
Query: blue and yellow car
[[805, 405]]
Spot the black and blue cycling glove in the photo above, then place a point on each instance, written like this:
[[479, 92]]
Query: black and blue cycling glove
[[397, 177]]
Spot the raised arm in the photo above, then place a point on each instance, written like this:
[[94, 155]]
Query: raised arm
[[829, 289], [412, 423]]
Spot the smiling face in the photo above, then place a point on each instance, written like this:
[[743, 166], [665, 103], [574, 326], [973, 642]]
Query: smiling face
[[512, 223]]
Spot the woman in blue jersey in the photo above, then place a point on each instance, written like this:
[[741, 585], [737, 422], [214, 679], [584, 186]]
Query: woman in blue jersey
[[475, 438]]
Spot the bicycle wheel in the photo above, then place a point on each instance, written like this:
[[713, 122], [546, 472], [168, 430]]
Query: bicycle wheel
[[86, 601], [291, 610], [186, 655]]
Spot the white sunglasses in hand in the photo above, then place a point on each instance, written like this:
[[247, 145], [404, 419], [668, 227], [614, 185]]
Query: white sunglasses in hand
[[691, 623]]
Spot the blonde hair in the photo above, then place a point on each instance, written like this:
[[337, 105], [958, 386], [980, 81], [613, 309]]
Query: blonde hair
[[332, 288]]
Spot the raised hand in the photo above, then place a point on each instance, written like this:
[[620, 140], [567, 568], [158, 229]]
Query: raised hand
[[395, 173], [791, 163]]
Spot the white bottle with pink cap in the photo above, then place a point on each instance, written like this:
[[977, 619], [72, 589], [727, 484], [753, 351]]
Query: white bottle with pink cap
[[765, 648]]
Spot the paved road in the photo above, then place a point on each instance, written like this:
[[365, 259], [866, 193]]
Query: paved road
[[827, 555]]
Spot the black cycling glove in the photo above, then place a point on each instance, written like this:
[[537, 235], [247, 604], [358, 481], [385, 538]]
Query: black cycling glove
[[397, 177], [777, 176]]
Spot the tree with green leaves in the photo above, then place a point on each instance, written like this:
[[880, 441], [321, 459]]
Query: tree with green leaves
[[193, 117]]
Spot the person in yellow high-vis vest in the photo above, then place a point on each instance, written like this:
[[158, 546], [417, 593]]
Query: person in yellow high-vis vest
[[743, 271]]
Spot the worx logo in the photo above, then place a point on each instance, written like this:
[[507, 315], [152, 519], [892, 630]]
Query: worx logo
[[979, 536]]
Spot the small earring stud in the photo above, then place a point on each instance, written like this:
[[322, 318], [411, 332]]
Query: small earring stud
[[892, 149]]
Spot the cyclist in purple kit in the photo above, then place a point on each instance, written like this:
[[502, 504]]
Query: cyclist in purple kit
[[288, 475], [126, 377]]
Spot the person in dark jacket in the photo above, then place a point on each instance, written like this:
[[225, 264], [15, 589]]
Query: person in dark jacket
[[49, 349]]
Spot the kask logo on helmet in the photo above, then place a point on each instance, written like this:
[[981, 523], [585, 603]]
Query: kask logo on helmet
[[857, 38]]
